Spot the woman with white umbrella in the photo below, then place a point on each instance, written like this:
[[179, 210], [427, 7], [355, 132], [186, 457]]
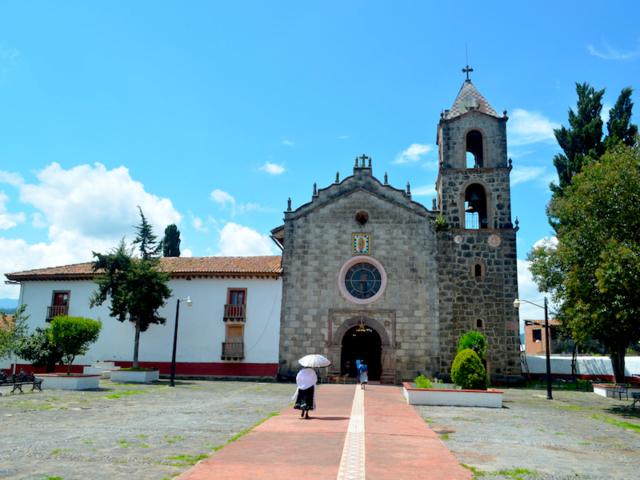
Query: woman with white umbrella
[[306, 380]]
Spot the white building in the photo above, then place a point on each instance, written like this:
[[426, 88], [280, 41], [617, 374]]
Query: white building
[[232, 329]]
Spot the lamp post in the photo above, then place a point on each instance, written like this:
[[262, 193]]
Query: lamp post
[[175, 338], [516, 304]]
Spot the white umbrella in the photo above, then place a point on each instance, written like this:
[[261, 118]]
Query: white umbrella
[[314, 361]]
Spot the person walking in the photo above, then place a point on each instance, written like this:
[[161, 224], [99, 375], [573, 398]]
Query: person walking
[[358, 362], [305, 398], [363, 371]]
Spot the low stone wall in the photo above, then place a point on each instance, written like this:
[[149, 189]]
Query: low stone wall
[[452, 398]]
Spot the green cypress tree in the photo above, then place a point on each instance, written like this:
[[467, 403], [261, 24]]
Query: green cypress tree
[[171, 241], [619, 125]]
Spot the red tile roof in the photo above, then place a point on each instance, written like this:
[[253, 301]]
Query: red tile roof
[[8, 324], [178, 266]]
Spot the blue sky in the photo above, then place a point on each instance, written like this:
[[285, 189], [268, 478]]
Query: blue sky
[[212, 114]]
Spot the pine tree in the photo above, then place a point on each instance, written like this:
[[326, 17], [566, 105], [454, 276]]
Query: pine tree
[[171, 241], [147, 241], [619, 125]]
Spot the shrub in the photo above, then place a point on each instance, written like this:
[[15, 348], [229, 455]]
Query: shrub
[[468, 372], [475, 341], [423, 382], [73, 335], [38, 349]]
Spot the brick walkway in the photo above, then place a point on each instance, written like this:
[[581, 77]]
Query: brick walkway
[[352, 435]]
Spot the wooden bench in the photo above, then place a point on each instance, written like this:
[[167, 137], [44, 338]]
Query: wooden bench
[[19, 380], [621, 389]]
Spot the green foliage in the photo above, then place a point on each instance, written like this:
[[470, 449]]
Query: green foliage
[[440, 223], [39, 350], [475, 341], [468, 372], [599, 253], [12, 332], [135, 287], [73, 335], [582, 142], [171, 241], [423, 382]]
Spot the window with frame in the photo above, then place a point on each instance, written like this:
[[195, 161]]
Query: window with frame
[[235, 308], [233, 347], [537, 335], [59, 305]]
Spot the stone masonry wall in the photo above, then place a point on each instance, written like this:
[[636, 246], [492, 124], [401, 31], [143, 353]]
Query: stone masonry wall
[[466, 298], [318, 243]]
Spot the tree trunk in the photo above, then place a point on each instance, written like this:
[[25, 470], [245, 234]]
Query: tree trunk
[[136, 343], [617, 362], [574, 359]]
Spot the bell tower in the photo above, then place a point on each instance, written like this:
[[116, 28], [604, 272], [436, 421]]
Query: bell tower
[[477, 241], [473, 181]]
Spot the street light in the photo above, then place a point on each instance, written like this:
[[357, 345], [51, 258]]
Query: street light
[[175, 338], [517, 304]]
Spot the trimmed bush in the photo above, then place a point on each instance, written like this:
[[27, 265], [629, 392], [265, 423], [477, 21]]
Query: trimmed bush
[[423, 382], [475, 341], [468, 372]]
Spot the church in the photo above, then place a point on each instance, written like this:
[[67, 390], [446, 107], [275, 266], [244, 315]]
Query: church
[[366, 273]]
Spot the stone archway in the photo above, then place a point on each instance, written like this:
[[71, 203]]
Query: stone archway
[[387, 352]]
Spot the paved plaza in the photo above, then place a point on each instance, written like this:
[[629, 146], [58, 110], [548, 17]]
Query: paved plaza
[[157, 432]]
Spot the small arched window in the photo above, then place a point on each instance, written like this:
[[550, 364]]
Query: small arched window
[[475, 148], [479, 323], [477, 270], [475, 203]]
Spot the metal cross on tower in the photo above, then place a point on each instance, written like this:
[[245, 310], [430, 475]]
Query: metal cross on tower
[[467, 70], [363, 158]]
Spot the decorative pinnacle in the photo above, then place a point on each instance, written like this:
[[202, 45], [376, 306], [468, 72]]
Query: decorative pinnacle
[[386, 179], [408, 189], [338, 177], [356, 161], [369, 162], [315, 189], [363, 158], [517, 222], [289, 205], [435, 204]]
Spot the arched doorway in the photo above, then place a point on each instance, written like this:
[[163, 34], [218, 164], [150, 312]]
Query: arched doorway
[[361, 344]]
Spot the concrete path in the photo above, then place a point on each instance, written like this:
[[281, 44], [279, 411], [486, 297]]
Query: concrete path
[[353, 434]]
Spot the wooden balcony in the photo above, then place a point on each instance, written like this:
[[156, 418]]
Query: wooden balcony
[[232, 351], [56, 311], [234, 313]]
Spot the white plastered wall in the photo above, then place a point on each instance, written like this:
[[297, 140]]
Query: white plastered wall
[[201, 329]]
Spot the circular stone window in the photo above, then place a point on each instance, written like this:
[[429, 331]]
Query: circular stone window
[[362, 280]]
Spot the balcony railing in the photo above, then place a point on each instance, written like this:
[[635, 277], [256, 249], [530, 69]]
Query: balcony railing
[[234, 312], [56, 311], [232, 351]]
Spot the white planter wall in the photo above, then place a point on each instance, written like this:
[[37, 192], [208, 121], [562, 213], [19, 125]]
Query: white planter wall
[[594, 366], [69, 382], [453, 398], [135, 376]]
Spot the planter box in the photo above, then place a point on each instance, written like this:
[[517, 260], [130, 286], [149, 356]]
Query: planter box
[[608, 390], [59, 381], [453, 398], [135, 376]]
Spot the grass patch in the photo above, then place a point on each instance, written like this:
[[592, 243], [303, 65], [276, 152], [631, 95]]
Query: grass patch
[[184, 460], [430, 421], [476, 472], [462, 419], [569, 407], [515, 473], [444, 437], [241, 434], [125, 392], [140, 436], [584, 443], [559, 433], [55, 452], [617, 423]]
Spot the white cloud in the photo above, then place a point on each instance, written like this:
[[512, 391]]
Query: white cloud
[[528, 290], [186, 253], [238, 240], [611, 53], [343, 137], [221, 197], [38, 220], [530, 127], [8, 220], [413, 153], [87, 208], [423, 191], [198, 224], [288, 143], [546, 242], [525, 174], [9, 54], [224, 199], [11, 178], [272, 168]]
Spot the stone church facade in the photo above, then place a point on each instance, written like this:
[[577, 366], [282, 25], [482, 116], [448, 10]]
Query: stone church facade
[[370, 274]]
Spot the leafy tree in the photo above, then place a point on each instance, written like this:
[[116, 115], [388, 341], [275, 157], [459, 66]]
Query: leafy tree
[[475, 341], [73, 335], [136, 287], [598, 253], [38, 349], [468, 372], [171, 241], [582, 142], [12, 332]]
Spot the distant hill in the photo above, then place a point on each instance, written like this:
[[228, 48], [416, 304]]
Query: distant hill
[[8, 305]]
